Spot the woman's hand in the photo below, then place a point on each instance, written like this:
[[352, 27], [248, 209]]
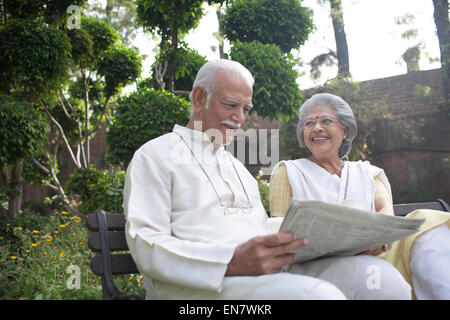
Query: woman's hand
[[375, 251]]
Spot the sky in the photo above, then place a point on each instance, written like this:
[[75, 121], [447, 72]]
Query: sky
[[373, 37]]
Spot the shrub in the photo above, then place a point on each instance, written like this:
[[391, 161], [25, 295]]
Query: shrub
[[97, 189], [140, 117], [34, 56], [275, 92], [283, 22]]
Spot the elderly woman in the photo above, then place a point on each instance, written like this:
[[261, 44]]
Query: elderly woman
[[326, 128]]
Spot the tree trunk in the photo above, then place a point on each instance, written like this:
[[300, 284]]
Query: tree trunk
[[3, 12], [108, 11], [337, 18], [87, 148], [16, 191], [172, 58], [220, 36], [161, 67], [443, 33]]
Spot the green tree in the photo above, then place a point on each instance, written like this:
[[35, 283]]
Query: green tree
[[443, 33], [22, 135], [170, 20], [341, 54], [120, 14], [141, 116], [263, 33], [284, 23], [76, 114], [188, 62], [411, 55], [34, 62], [275, 92], [36, 59], [53, 12]]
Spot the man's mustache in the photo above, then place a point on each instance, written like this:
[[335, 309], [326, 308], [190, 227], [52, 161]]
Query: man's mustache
[[231, 123]]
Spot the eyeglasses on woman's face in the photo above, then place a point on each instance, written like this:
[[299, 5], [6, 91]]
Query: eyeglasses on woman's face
[[324, 122]]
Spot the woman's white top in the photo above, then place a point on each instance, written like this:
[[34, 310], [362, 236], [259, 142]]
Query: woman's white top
[[309, 181]]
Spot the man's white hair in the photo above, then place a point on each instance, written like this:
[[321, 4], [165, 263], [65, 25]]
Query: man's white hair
[[207, 76]]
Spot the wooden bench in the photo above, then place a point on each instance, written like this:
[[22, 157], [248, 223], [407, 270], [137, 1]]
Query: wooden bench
[[108, 236]]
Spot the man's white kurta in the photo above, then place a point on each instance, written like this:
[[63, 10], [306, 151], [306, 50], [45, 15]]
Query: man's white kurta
[[176, 228]]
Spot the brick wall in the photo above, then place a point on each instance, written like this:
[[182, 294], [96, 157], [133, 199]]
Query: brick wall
[[403, 93], [413, 148]]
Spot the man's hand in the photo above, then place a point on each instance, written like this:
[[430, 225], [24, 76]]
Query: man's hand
[[264, 254]]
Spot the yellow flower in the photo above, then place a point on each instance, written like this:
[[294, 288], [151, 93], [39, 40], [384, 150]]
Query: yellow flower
[[62, 225], [34, 244], [74, 234], [56, 232], [49, 240], [28, 251], [61, 254], [64, 212], [45, 253], [35, 231], [13, 257]]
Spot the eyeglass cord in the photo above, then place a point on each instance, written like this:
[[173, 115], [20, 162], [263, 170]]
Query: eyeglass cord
[[209, 179]]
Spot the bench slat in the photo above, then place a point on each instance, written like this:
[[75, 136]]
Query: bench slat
[[115, 222], [121, 264], [404, 209], [117, 241]]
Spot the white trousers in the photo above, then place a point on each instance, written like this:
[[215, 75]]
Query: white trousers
[[358, 277], [430, 264]]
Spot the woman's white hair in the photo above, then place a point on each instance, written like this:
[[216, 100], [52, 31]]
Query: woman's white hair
[[343, 112], [207, 76]]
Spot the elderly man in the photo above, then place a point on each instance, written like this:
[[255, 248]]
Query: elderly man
[[196, 226]]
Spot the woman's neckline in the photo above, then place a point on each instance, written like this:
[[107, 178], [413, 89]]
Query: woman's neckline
[[337, 173]]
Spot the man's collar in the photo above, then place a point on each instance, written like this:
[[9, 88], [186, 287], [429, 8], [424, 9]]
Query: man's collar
[[194, 135], [191, 134]]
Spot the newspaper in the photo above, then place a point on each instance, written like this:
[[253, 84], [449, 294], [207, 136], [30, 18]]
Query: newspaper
[[334, 230]]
